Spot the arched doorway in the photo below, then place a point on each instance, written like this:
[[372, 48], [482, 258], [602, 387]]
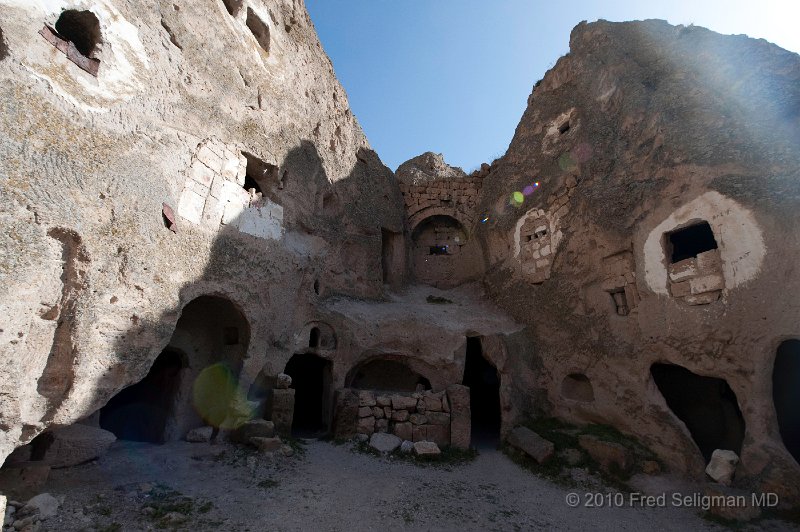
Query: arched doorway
[[210, 332], [312, 381], [786, 394], [442, 254], [484, 394], [140, 412]]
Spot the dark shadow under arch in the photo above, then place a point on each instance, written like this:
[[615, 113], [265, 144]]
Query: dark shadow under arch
[[140, 412], [386, 374]]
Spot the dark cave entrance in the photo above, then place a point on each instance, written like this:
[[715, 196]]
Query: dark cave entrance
[[786, 394], [140, 411], [706, 405], [312, 380], [484, 393]]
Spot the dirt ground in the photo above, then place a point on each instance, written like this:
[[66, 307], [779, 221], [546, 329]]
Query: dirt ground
[[329, 487]]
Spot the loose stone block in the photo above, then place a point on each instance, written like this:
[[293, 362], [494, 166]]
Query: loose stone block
[[432, 403], [344, 424], [460, 416], [400, 415], [722, 466], [438, 418], [283, 411], [426, 448], [384, 443], [366, 398], [404, 430], [531, 444], [611, 456], [438, 433], [401, 402], [418, 419], [384, 400], [707, 283], [366, 425]]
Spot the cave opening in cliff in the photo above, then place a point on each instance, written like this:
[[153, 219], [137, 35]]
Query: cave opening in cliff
[[81, 28], [386, 375], [706, 405], [233, 6], [786, 395], [192, 381], [141, 411], [312, 381], [3, 46], [484, 393], [259, 30], [689, 242]]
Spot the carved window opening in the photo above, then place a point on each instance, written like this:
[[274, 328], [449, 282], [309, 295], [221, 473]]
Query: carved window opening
[[259, 29], [259, 175], [563, 128], [77, 34], [620, 302], [313, 337], [439, 250], [695, 265], [689, 242]]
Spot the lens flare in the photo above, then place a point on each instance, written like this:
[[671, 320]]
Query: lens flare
[[527, 191], [582, 152], [212, 393], [567, 163], [517, 199]]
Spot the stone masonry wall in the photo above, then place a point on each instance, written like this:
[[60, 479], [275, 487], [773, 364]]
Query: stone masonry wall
[[419, 416]]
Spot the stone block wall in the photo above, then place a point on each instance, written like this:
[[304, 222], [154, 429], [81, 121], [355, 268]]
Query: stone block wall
[[454, 197], [418, 416], [214, 195], [697, 280]]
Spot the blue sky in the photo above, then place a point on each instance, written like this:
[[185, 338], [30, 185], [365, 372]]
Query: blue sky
[[453, 76]]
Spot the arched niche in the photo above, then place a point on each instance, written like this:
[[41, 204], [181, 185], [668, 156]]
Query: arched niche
[[387, 373]]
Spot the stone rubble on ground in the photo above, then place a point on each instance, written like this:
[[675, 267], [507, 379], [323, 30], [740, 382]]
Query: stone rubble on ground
[[426, 448], [200, 435], [722, 466], [612, 457], [384, 443], [531, 444]]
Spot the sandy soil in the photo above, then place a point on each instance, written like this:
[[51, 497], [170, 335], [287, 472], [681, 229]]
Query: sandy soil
[[326, 487]]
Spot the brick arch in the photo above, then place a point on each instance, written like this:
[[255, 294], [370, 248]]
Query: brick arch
[[464, 219]]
